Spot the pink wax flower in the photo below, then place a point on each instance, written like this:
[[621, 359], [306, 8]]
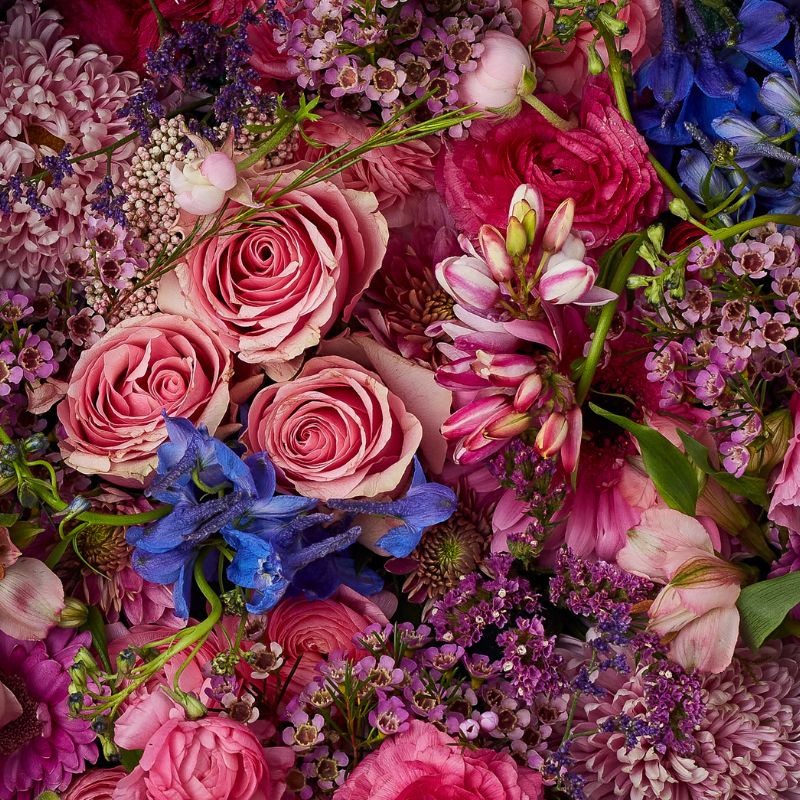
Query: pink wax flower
[[334, 431], [601, 164], [696, 610], [112, 414], [423, 762]]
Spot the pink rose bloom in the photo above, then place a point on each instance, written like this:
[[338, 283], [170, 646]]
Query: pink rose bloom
[[602, 165], [425, 763], [335, 431], [112, 414], [96, 784], [784, 507], [390, 173], [314, 629], [272, 291], [213, 757]]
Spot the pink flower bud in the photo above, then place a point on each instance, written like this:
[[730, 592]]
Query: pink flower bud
[[559, 226], [526, 197], [473, 416], [508, 426], [528, 391], [552, 435], [571, 448], [571, 281], [497, 258], [469, 280], [219, 171], [503, 369], [499, 77]]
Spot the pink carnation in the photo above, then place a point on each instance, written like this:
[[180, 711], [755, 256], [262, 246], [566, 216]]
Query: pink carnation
[[425, 763], [602, 165]]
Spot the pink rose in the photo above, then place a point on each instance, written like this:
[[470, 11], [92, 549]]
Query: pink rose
[[425, 763], [96, 784], [272, 291], [602, 165], [313, 629], [334, 431], [212, 757], [112, 414], [391, 173], [784, 507]]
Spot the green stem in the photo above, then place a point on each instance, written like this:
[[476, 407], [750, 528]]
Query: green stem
[[617, 285], [742, 227], [548, 113]]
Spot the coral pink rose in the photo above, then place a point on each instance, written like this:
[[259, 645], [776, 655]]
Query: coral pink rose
[[97, 784], [312, 629], [112, 414], [391, 173], [335, 431], [602, 165], [213, 757], [425, 763], [273, 288]]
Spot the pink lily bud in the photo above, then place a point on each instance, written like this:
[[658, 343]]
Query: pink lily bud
[[469, 280], [497, 258], [512, 424], [528, 391], [473, 416], [566, 282], [552, 435], [571, 448], [503, 369], [559, 226]]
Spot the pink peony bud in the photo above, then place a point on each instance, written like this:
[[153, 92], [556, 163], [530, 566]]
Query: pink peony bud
[[559, 226], [500, 75], [469, 280], [552, 435], [493, 246]]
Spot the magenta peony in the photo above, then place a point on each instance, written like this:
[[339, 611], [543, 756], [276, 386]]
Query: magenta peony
[[425, 763], [602, 165], [335, 431], [112, 414]]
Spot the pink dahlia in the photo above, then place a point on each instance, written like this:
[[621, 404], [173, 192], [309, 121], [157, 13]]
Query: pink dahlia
[[748, 746], [41, 745], [51, 96]]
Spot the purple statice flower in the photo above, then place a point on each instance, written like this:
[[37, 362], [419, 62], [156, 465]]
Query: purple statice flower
[[109, 205], [59, 166], [389, 716], [10, 373], [529, 661], [41, 745], [36, 356]]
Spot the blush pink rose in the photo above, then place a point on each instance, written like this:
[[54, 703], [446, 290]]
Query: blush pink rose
[[335, 431], [313, 629], [391, 173], [601, 164], [213, 757], [425, 763], [273, 288], [96, 784], [112, 413]]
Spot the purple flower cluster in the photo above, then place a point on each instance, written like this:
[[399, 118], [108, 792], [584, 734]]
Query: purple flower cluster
[[732, 331], [398, 52]]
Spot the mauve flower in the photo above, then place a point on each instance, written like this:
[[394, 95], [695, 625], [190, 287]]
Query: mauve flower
[[335, 431], [97, 784], [423, 762], [784, 506], [112, 414], [52, 95], [602, 165], [275, 286], [41, 744]]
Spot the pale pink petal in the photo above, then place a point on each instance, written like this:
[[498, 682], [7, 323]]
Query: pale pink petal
[[10, 709], [31, 598], [707, 644]]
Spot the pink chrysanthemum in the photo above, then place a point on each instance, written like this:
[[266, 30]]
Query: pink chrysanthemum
[[51, 96], [41, 745], [748, 747]]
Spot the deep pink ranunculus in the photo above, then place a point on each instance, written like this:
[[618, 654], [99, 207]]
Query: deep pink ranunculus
[[601, 164], [334, 431], [96, 784], [425, 763], [112, 414]]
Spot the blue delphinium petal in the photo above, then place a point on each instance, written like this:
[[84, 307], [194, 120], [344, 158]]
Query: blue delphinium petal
[[780, 95], [764, 24]]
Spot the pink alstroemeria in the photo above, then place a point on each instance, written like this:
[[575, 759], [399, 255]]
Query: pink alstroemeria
[[696, 610], [31, 594], [202, 186]]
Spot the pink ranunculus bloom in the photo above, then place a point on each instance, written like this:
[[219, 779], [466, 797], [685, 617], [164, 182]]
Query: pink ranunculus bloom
[[335, 431], [118, 390], [313, 629], [424, 763], [96, 784], [213, 757], [499, 78], [696, 610], [601, 164], [31, 594], [784, 506], [390, 173], [274, 287]]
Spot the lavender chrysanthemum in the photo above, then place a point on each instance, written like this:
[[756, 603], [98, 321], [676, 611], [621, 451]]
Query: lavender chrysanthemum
[[41, 745]]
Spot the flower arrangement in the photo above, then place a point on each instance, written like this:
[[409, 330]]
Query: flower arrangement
[[399, 399]]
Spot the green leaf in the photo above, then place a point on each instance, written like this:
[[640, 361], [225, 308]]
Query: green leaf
[[668, 468], [764, 605], [7, 520], [752, 488], [97, 627], [130, 758]]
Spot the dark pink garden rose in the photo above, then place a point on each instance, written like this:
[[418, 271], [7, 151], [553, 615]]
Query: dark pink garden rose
[[601, 164]]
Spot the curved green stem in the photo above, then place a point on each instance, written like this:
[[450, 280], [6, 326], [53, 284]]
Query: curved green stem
[[554, 119]]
